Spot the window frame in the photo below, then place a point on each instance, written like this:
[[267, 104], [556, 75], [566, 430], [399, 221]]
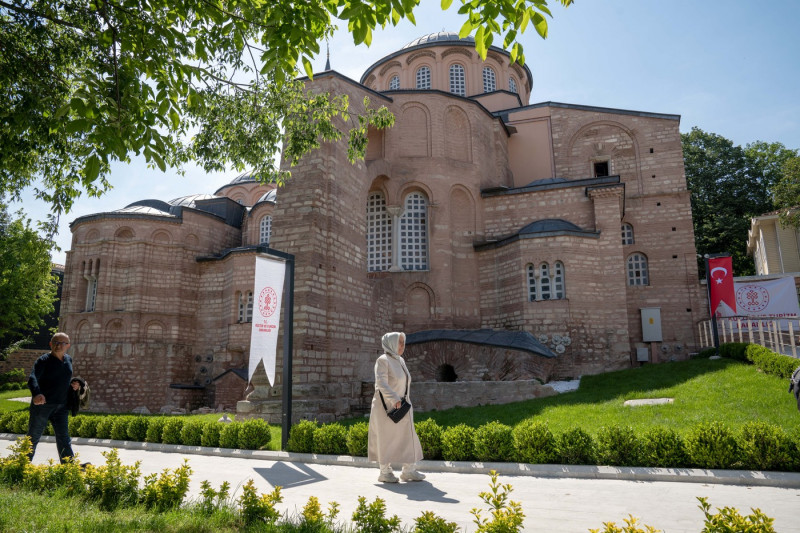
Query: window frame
[[261, 229], [392, 85], [489, 80], [414, 256], [638, 270], [458, 79], [423, 82], [379, 227]]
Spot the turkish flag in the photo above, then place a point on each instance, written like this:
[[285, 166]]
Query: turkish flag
[[720, 284]]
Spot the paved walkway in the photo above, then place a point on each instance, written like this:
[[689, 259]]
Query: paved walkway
[[555, 498]]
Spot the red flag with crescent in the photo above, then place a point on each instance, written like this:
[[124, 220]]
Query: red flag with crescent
[[720, 284]]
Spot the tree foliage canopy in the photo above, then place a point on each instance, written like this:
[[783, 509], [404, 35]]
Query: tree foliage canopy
[[27, 286], [729, 185], [787, 193], [84, 83]]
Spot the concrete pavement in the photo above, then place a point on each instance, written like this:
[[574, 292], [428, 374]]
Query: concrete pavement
[[555, 498]]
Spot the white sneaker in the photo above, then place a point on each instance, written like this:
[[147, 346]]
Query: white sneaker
[[387, 477], [412, 476]]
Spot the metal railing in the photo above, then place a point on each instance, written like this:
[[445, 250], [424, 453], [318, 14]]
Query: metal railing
[[777, 334]]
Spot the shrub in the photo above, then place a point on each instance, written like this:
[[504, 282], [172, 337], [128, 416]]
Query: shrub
[[358, 439], [372, 517], [258, 509], [428, 522], [458, 443], [734, 350], [663, 447], [113, 484], [534, 442], [210, 435], [631, 526], [19, 422], [229, 435], [301, 436], [137, 428], [770, 362], [254, 434], [14, 377], [88, 428], [5, 422], [575, 447], [507, 515], [104, 425], [711, 445], [155, 429], [494, 442], [728, 519], [171, 434], [330, 439], [166, 491], [119, 429], [430, 437], [764, 446], [212, 500], [74, 424], [192, 432], [313, 519], [618, 445]]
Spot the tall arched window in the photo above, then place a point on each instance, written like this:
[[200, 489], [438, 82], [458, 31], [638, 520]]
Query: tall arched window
[[265, 230], [240, 306], [394, 83], [637, 270], [531, 283], [544, 282], [512, 85], [379, 234], [627, 234], [414, 233], [424, 78], [457, 83], [558, 281], [248, 314], [489, 80]]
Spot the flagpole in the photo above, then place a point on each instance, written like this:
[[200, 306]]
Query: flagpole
[[714, 331]]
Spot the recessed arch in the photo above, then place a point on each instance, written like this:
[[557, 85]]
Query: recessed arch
[[604, 150]]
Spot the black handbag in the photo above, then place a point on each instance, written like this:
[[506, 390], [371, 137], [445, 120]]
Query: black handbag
[[397, 413]]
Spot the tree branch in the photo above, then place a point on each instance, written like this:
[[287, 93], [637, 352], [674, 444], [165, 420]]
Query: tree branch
[[37, 14]]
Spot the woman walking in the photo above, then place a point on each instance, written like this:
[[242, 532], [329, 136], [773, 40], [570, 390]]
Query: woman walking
[[393, 442]]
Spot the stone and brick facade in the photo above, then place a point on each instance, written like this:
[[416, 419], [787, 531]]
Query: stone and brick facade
[[476, 211]]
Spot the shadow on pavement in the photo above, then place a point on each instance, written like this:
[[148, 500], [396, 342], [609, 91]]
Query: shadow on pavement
[[418, 491], [289, 475]]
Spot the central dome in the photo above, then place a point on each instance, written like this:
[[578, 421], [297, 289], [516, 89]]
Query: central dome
[[438, 37]]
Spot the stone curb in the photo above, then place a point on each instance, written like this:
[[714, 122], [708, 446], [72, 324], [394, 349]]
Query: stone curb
[[628, 473]]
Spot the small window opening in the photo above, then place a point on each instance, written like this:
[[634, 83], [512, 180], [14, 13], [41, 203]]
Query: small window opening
[[601, 168], [446, 373]]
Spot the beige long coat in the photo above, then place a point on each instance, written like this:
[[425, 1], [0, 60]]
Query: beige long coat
[[389, 442]]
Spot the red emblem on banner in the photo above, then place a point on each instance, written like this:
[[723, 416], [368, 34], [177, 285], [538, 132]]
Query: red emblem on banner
[[267, 302], [720, 284]]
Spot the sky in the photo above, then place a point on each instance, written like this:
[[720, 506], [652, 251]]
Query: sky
[[729, 67]]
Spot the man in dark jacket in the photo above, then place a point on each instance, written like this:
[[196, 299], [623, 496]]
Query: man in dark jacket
[[49, 383]]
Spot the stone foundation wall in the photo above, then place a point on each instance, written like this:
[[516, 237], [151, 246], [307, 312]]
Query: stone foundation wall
[[437, 396], [23, 359]]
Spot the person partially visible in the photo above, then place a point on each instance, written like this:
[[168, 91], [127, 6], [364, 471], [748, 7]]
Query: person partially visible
[[51, 384], [391, 442]]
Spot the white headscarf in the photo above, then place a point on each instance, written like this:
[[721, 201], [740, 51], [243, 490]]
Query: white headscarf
[[391, 342]]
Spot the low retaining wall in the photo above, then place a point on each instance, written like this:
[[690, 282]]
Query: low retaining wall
[[438, 396]]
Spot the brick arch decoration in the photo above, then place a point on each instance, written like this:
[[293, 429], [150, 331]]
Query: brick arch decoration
[[458, 141], [125, 233], [192, 241], [162, 236], [422, 53], [390, 65], [413, 131], [637, 172], [154, 331], [82, 334], [92, 235], [420, 303], [413, 186]]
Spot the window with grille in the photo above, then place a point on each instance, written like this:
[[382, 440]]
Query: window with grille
[[379, 234], [240, 298], [558, 281], [394, 83], [265, 230], [544, 282], [637, 270], [424, 78], [627, 234], [489, 80], [531, 283], [91, 294], [248, 314], [457, 83], [414, 233], [512, 85]]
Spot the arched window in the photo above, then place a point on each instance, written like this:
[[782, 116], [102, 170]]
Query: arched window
[[394, 83], [457, 83], [637, 270], [627, 234], [248, 314], [558, 281], [544, 282], [489, 80], [265, 231], [91, 286], [531, 283], [240, 305], [424, 78], [414, 233], [512, 85], [379, 234]]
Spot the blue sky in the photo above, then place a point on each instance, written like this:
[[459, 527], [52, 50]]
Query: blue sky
[[729, 67]]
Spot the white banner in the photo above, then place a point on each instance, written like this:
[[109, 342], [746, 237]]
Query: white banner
[[267, 296], [775, 298]]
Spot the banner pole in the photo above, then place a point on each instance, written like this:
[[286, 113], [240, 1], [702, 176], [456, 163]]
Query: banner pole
[[288, 334], [714, 332]]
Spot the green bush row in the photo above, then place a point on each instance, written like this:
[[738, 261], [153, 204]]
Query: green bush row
[[13, 376], [765, 359], [248, 435], [756, 446], [13, 386], [116, 485]]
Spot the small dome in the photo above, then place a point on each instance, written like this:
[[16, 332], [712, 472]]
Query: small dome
[[143, 210], [438, 37], [269, 196], [244, 177], [189, 201], [548, 225]]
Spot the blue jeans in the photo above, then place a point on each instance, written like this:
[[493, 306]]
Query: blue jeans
[[58, 414]]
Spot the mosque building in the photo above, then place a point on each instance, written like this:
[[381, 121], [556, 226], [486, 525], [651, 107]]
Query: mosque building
[[511, 241]]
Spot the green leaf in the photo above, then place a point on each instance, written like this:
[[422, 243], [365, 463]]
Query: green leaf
[[466, 29], [92, 169], [446, 4], [540, 23], [308, 68]]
